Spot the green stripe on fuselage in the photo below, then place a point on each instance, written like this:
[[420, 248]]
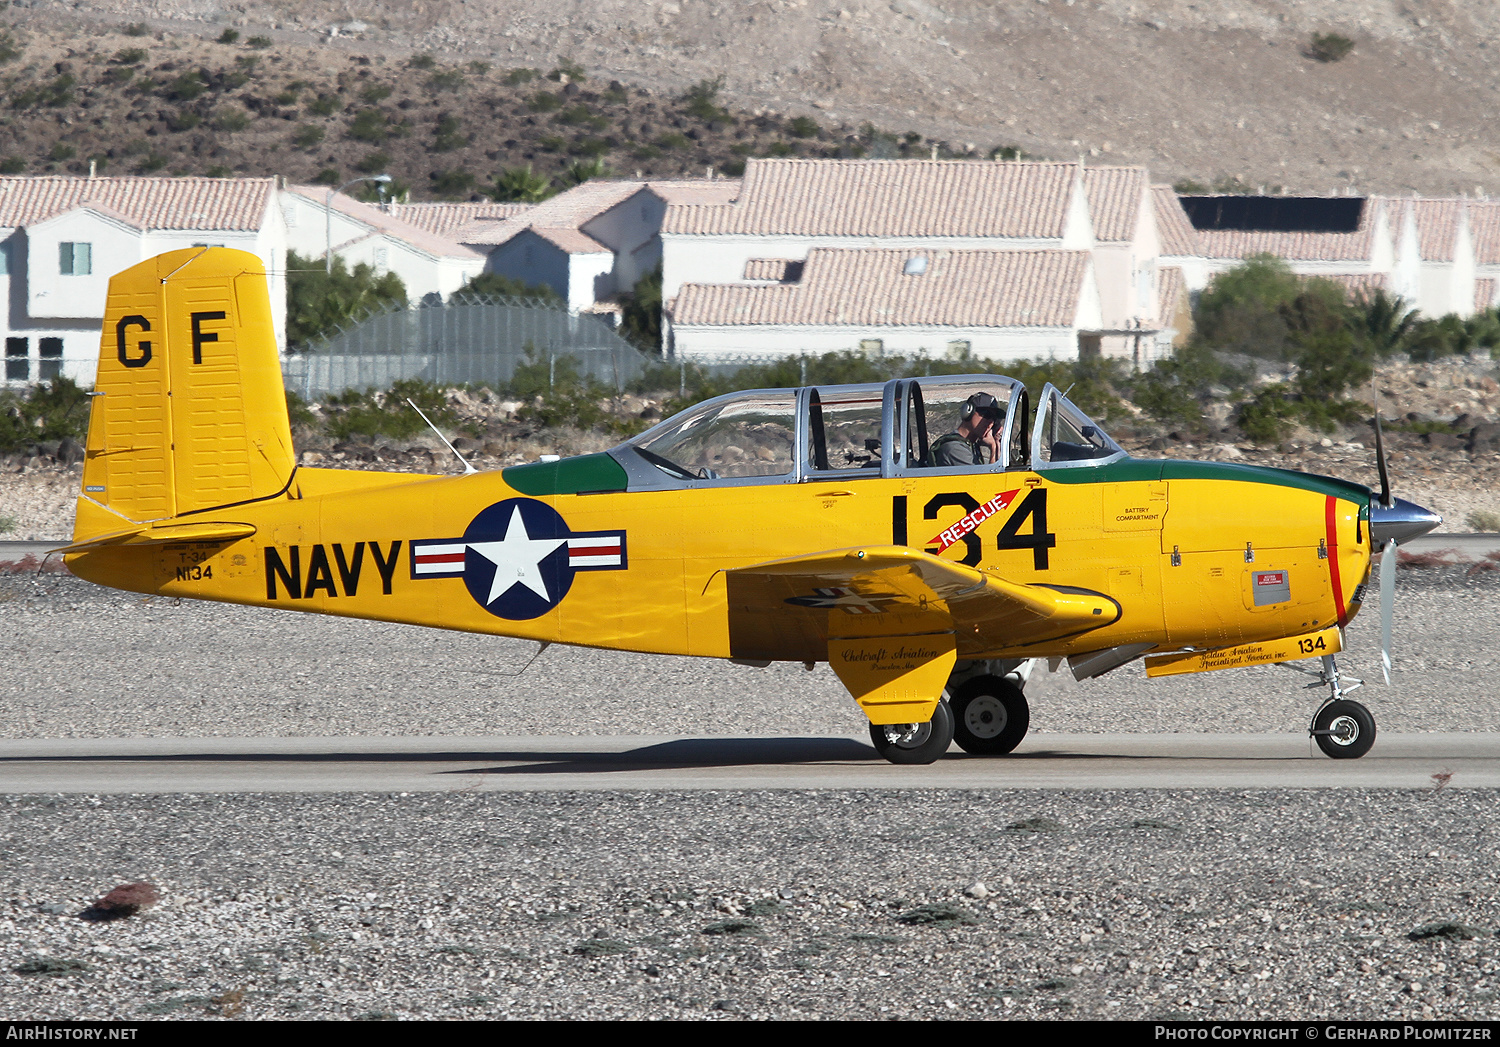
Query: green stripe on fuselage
[[1128, 470]]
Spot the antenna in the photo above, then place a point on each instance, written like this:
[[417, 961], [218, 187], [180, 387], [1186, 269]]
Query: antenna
[[467, 467]]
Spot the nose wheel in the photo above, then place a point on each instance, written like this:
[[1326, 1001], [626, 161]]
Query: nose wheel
[[1343, 729]]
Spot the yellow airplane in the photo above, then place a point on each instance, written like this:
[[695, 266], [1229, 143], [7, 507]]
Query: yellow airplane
[[823, 524]]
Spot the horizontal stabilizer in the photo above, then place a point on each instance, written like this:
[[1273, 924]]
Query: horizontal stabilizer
[[165, 534], [791, 609]]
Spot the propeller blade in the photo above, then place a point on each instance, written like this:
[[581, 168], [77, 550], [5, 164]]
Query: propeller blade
[[1385, 476], [1387, 604]]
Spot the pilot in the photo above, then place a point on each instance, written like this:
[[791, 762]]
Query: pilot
[[979, 428]]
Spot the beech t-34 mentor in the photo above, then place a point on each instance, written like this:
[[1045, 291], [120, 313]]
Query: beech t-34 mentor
[[804, 525]]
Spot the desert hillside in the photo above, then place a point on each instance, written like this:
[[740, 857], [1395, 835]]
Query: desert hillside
[[1214, 90]]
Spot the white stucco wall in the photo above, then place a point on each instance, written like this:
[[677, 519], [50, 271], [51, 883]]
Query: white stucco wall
[[1003, 344], [50, 295]]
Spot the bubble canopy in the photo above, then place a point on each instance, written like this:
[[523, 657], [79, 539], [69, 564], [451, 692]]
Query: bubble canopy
[[944, 424]]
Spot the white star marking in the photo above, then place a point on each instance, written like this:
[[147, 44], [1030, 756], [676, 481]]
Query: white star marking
[[517, 558]]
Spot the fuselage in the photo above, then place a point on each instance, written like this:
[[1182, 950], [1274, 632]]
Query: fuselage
[[1196, 554]]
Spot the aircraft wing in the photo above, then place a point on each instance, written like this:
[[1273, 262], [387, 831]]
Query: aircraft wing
[[791, 609]]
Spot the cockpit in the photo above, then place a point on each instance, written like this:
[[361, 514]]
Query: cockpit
[[945, 424]]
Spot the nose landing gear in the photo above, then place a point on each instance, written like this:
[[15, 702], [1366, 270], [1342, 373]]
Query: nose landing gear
[[1343, 729]]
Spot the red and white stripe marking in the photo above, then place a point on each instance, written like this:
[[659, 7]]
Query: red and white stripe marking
[[603, 551], [431, 559]]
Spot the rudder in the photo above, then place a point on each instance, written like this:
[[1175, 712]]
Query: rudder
[[189, 410]]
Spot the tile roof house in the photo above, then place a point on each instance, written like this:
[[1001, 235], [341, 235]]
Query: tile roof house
[[1000, 305], [595, 241], [785, 208], [1484, 234], [431, 265], [1435, 263], [63, 237], [447, 218]]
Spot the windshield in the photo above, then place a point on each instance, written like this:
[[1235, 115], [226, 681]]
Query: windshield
[[751, 434], [1065, 436]]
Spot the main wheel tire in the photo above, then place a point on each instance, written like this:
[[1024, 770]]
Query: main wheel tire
[[915, 743], [1349, 727], [990, 716]]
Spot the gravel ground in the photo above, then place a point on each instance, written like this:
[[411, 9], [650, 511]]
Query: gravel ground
[[734, 904], [1123, 905]]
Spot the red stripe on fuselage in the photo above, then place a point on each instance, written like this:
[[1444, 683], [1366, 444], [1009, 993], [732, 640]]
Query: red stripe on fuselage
[[1331, 515]]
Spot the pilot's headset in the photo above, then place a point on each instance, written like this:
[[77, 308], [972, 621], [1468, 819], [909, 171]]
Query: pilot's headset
[[984, 405]]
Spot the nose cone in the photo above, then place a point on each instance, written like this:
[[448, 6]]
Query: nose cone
[[1402, 521]]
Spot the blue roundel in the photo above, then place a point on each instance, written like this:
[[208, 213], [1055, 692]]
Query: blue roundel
[[516, 560]]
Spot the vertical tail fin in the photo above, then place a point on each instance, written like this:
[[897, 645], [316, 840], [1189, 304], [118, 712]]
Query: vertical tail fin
[[189, 410]]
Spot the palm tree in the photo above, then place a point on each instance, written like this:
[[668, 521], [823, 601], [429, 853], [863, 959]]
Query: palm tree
[[1384, 321], [521, 185]]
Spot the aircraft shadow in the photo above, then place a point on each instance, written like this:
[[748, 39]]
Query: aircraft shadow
[[679, 753]]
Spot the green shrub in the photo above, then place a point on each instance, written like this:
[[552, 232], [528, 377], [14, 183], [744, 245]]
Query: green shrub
[[447, 80], [325, 105], [184, 120], [496, 285], [376, 93], [307, 136], [231, 121], [556, 392], [47, 411], [579, 115], [702, 100], [544, 102], [569, 69], [592, 147], [129, 56], [448, 134], [373, 163], [1329, 47], [328, 176], [136, 29], [479, 68], [422, 62], [370, 125], [61, 151], [803, 127], [451, 183], [186, 87], [640, 322], [9, 52], [370, 414], [1189, 187], [673, 140], [319, 302], [260, 43], [517, 77], [229, 36]]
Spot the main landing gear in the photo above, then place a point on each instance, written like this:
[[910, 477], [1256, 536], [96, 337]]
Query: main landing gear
[[983, 709], [1343, 729]]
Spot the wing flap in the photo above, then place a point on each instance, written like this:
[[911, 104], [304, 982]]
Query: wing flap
[[791, 609]]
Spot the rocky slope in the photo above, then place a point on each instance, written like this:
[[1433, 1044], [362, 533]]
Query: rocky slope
[[1218, 89]]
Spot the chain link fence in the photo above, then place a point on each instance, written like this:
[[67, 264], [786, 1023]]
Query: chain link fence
[[472, 340]]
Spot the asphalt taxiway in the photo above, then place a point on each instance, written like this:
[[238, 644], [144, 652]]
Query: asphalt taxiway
[[456, 764]]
